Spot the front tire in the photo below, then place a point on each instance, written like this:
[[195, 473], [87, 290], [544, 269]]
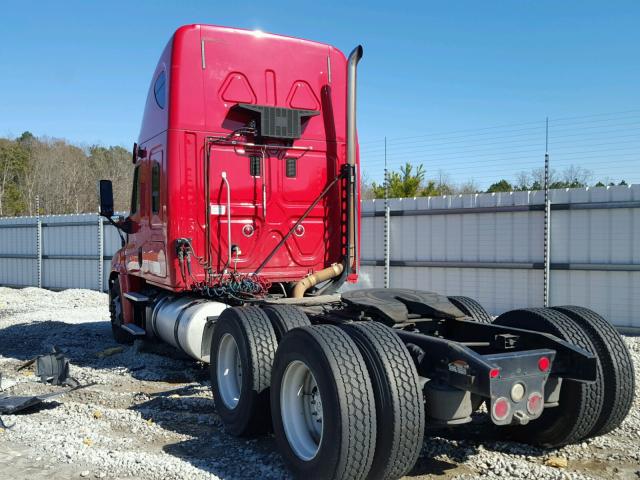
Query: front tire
[[115, 312], [242, 351], [322, 404]]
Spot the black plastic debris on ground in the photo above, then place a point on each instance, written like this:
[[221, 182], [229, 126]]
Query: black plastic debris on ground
[[51, 369], [10, 404]]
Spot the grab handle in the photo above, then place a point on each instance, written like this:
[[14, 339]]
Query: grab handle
[[226, 182]]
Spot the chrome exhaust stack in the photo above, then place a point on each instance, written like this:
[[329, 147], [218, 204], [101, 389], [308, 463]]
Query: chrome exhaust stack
[[338, 274], [351, 184], [352, 71]]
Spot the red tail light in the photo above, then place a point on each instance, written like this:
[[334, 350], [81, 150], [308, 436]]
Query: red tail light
[[535, 403], [543, 364], [494, 372], [501, 408]]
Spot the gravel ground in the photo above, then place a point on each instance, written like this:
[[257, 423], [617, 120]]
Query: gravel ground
[[150, 414]]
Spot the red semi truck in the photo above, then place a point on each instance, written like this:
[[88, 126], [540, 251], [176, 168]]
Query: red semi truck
[[245, 222]]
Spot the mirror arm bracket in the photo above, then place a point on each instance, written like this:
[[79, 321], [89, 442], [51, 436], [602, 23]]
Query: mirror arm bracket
[[119, 229]]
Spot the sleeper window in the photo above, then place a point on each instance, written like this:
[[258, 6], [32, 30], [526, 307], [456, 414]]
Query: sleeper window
[[159, 89]]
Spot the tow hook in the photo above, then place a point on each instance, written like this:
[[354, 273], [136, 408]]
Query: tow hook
[[520, 418]]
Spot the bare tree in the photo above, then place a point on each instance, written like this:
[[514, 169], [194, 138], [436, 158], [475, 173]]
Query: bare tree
[[575, 175], [444, 184], [523, 180], [366, 187], [470, 186]]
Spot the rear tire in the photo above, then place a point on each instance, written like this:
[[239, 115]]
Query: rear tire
[[471, 308], [242, 351], [398, 398], [286, 317], [616, 363], [580, 403], [115, 311], [327, 432]]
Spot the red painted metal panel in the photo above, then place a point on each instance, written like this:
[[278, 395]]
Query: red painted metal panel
[[208, 71]]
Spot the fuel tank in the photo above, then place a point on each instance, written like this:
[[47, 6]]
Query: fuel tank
[[186, 323]]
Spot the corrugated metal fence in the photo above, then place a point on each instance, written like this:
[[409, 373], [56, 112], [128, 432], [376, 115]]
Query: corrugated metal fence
[[487, 246], [491, 247], [57, 251]]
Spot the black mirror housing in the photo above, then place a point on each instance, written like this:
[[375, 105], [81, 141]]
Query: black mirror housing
[[106, 198]]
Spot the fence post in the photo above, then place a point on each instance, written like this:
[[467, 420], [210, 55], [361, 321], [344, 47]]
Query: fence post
[[38, 243], [100, 254], [547, 250], [387, 245], [547, 222], [387, 220]]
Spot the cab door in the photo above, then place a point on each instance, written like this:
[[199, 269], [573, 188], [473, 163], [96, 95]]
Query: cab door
[[137, 219], [154, 260]]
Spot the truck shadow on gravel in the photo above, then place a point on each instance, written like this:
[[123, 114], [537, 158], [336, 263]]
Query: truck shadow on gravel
[[210, 448], [187, 411], [460, 443]]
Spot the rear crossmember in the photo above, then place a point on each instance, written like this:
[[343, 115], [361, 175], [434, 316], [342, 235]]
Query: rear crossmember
[[571, 362], [518, 371]]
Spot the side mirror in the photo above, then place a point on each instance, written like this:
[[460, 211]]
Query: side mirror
[[106, 198], [138, 152]]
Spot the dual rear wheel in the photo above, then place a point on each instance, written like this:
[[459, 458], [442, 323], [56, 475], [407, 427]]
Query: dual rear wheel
[[242, 352], [584, 409], [344, 402]]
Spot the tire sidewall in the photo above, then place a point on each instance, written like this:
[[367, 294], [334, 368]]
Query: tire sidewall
[[325, 462], [236, 419]]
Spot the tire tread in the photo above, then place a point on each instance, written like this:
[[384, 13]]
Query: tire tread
[[285, 318], [353, 381], [472, 308], [260, 340], [616, 364], [263, 343], [406, 398]]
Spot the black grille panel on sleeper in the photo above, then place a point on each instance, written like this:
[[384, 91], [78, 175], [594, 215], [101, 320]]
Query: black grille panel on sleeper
[[279, 122]]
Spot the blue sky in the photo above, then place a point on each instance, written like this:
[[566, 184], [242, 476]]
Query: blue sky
[[444, 73]]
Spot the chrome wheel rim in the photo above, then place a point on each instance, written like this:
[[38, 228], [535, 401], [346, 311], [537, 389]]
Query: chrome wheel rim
[[229, 371], [301, 410]]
